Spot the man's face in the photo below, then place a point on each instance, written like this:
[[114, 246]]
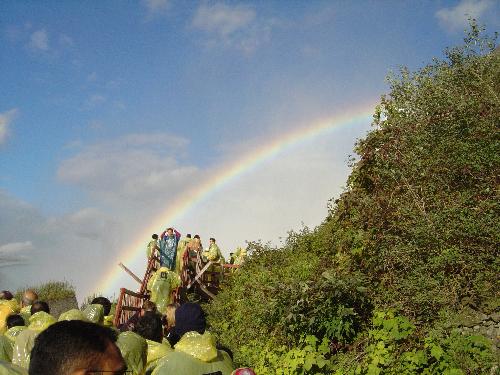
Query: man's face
[[111, 362], [212, 242], [170, 232]]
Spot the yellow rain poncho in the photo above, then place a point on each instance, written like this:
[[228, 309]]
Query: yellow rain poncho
[[161, 285], [73, 314], [108, 320], [94, 313], [10, 369], [7, 342], [156, 351], [241, 257], [25, 340], [5, 349], [195, 354], [213, 253], [181, 248], [134, 351], [7, 307], [26, 313]]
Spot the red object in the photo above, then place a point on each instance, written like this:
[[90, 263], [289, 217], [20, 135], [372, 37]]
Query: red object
[[243, 371]]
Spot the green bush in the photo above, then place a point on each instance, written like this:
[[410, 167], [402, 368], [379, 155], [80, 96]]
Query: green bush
[[415, 231], [394, 348], [50, 291]]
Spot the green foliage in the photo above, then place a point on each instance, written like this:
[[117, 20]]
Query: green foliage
[[50, 291], [420, 215], [416, 231], [393, 348], [306, 359], [284, 294]]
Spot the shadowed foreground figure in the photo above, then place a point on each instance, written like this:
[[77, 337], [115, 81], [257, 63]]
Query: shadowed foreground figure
[[76, 348]]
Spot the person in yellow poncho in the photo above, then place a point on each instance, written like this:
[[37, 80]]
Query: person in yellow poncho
[[213, 252], [15, 325], [7, 368], [39, 321], [241, 257], [133, 348], [181, 248], [195, 353], [150, 327], [29, 296], [7, 308], [76, 347], [161, 285], [152, 248]]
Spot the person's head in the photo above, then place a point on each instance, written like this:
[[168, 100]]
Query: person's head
[[197, 236], [189, 317], [14, 321], [170, 231], [75, 347], [154, 236], [104, 302], [5, 294], [148, 306], [39, 306], [188, 235], [150, 327], [171, 314], [28, 298], [212, 240]]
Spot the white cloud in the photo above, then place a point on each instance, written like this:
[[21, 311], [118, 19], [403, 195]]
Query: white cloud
[[156, 6], [78, 247], [5, 120], [456, 18], [223, 19], [142, 167], [15, 247], [235, 26], [39, 40]]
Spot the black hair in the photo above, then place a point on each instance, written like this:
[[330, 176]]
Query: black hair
[[197, 236], [106, 304], [154, 236], [69, 345], [150, 326], [5, 294], [212, 239], [188, 235], [14, 321], [39, 306]]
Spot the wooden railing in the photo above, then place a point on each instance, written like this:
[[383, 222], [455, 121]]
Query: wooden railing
[[129, 303], [152, 267]]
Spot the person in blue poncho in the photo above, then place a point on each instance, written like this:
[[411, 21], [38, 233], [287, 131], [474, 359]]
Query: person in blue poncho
[[168, 248]]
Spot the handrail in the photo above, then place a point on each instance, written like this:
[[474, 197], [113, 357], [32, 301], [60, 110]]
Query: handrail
[[129, 302]]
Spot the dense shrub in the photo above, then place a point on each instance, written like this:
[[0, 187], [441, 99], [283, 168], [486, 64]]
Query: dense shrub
[[420, 214], [416, 231]]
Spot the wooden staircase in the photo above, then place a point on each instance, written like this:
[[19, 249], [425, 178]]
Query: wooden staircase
[[199, 277]]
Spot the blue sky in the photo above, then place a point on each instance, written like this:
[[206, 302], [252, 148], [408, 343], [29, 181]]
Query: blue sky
[[109, 109]]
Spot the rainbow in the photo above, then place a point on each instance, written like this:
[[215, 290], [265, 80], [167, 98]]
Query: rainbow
[[192, 198]]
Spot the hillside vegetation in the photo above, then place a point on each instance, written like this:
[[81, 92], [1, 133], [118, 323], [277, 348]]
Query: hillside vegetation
[[406, 252]]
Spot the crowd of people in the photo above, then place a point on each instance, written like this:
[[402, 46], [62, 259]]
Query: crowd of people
[[32, 341], [162, 338], [170, 248]]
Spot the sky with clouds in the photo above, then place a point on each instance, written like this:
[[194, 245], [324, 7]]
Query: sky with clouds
[[111, 110]]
